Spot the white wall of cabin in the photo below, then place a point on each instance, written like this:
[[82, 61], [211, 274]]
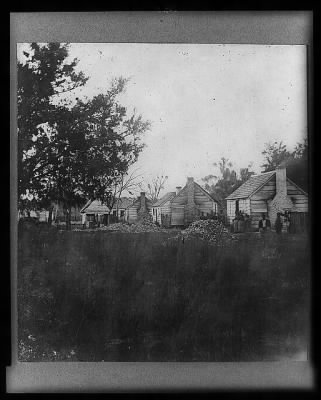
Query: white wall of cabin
[[299, 199], [244, 206], [261, 199]]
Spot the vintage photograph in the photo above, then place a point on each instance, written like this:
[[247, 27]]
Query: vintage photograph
[[163, 194]]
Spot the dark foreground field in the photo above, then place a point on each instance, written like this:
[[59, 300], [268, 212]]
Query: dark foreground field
[[93, 296]]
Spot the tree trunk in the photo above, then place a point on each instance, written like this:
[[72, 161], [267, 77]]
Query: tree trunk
[[50, 216], [68, 219]]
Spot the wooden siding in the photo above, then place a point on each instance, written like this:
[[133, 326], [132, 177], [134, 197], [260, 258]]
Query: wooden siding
[[230, 210], [132, 214], [181, 198], [178, 213], [259, 202], [259, 206], [203, 204], [266, 192], [162, 213], [299, 199], [244, 206], [202, 200]]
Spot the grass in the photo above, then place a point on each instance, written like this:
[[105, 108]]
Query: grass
[[93, 296]]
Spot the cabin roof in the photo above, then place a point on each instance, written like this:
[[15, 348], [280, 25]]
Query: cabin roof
[[123, 202], [249, 187], [254, 183], [94, 207], [167, 197], [210, 196], [137, 201], [215, 198]]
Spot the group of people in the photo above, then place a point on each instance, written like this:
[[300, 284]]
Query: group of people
[[283, 220], [242, 223]]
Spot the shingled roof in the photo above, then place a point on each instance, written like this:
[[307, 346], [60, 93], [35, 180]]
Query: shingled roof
[[251, 186], [124, 202], [137, 201], [95, 207], [167, 197]]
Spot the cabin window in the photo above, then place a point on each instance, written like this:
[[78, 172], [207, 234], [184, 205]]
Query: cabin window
[[114, 213], [90, 217], [122, 213]]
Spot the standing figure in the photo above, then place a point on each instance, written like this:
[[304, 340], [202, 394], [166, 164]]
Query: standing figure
[[247, 223], [264, 224], [241, 223], [278, 224]]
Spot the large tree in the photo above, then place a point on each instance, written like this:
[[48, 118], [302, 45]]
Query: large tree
[[78, 150], [274, 154], [155, 186], [43, 73], [227, 180], [296, 162]]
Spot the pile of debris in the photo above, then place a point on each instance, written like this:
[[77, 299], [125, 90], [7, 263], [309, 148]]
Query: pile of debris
[[143, 225], [211, 231]]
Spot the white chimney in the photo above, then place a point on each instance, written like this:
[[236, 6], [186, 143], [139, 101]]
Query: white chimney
[[280, 180], [178, 188]]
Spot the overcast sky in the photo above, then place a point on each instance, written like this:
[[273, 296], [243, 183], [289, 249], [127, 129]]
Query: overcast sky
[[204, 101]]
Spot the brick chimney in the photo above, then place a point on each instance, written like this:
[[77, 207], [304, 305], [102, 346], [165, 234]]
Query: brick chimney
[[190, 191], [142, 202], [142, 211], [178, 188], [280, 179], [281, 201], [190, 207]]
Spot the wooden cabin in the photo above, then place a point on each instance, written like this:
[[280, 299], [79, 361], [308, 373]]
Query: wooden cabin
[[95, 212], [161, 210], [141, 207], [269, 193], [119, 210], [191, 203]]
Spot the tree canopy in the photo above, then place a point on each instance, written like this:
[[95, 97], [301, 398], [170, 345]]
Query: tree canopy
[[296, 162], [69, 151], [154, 186], [227, 180]]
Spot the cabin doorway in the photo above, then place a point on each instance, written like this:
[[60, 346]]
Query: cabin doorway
[[237, 207], [298, 222], [177, 215]]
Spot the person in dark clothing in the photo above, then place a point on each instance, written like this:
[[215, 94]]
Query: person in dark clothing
[[278, 224], [264, 224], [247, 223]]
